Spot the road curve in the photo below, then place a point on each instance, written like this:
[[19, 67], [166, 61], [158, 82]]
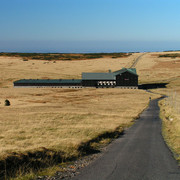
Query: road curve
[[140, 154]]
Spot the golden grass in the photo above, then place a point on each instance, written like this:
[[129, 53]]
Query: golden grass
[[61, 119], [64, 119], [170, 114], [64, 123], [150, 68], [171, 127]]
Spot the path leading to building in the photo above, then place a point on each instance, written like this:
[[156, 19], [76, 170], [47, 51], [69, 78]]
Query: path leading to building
[[140, 154], [136, 60]]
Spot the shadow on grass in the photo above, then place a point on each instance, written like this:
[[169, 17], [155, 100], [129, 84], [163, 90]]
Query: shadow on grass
[[24, 163]]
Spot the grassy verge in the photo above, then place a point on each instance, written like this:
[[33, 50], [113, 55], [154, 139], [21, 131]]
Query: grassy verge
[[170, 115], [170, 127]]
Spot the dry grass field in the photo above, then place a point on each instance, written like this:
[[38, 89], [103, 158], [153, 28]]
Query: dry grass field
[[61, 120], [151, 68]]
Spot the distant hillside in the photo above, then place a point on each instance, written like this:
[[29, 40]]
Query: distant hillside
[[54, 56]]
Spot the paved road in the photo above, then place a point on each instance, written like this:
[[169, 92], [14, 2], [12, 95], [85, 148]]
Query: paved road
[[140, 154]]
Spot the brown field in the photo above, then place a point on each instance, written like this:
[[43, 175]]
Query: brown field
[[61, 119], [151, 68]]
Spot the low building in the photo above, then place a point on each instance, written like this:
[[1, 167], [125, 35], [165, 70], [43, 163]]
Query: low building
[[124, 78], [48, 83], [98, 79]]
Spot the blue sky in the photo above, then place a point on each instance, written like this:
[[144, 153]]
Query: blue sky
[[89, 25]]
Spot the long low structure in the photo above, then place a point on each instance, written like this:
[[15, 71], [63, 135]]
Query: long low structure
[[124, 78]]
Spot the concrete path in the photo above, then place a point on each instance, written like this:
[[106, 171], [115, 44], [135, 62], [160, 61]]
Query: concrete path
[[140, 154]]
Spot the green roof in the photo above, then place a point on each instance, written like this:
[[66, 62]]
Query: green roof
[[107, 76], [49, 81], [130, 70], [98, 76]]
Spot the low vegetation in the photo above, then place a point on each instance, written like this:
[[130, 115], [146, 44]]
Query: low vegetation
[[7, 102], [170, 113], [171, 127], [60, 56], [152, 69], [172, 55]]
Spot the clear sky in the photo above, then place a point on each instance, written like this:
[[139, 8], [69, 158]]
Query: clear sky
[[89, 25]]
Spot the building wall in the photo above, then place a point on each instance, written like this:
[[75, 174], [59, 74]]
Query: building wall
[[99, 83], [89, 83], [126, 79]]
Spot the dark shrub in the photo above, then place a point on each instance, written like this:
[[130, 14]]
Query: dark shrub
[[7, 102]]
